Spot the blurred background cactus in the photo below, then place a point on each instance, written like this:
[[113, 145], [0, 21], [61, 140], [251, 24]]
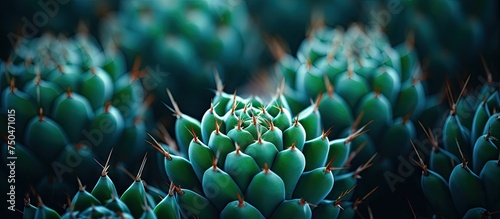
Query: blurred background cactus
[[73, 102], [183, 41], [449, 35], [379, 63], [459, 171], [31, 18], [362, 81]]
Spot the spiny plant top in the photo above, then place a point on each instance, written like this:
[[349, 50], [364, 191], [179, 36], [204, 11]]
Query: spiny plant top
[[70, 97], [103, 201], [361, 78], [432, 21], [357, 52], [462, 174], [143, 201], [257, 150]]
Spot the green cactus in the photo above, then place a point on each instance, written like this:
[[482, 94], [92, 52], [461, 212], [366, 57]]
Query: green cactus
[[430, 21], [464, 188], [256, 157], [358, 72], [360, 79], [220, 198], [182, 41], [103, 201], [73, 102], [262, 180]]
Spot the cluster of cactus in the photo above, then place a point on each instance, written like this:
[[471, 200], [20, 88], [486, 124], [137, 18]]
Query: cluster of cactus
[[431, 22], [244, 148], [346, 107], [361, 79], [358, 74], [233, 166], [72, 102], [183, 40], [461, 179]]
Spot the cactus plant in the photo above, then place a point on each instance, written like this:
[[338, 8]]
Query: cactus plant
[[362, 79], [182, 41], [291, 21], [269, 193], [250, 157], [458, 180], [103, 201], [73, 101], [430, 21]]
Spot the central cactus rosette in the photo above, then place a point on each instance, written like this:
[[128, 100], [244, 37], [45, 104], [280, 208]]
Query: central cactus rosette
[[246, 148], [255, 161]]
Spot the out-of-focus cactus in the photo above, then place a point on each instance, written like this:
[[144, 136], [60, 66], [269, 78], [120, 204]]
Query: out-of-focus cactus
[[362, 79], [181, 42], [72, 102], [461, 175]]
